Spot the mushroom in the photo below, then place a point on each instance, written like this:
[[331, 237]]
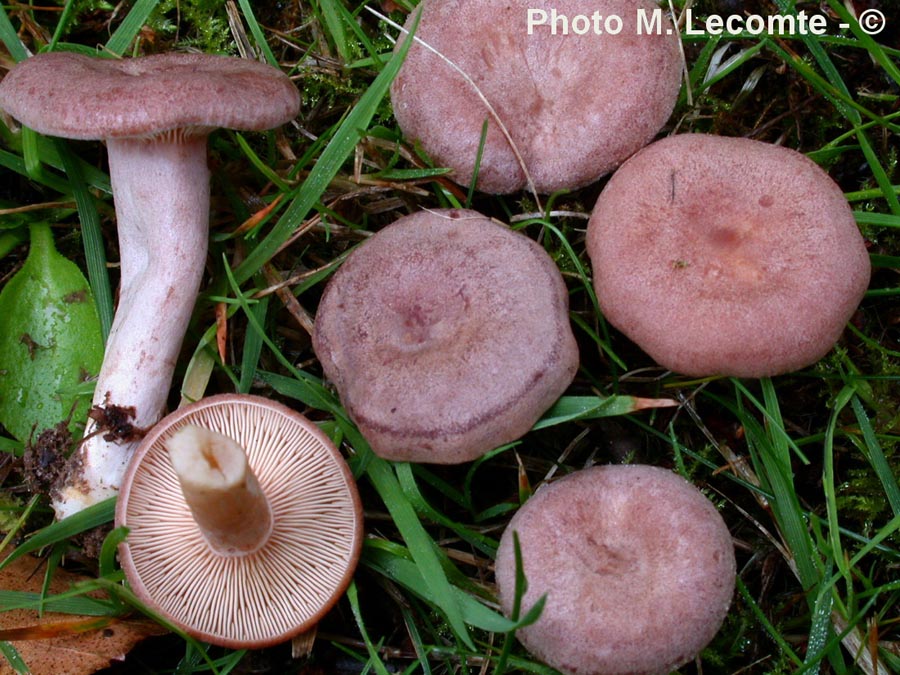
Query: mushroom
[[446, 334], [726, 256], [155, 113], [564, 100], [244, 522], [637, 567]]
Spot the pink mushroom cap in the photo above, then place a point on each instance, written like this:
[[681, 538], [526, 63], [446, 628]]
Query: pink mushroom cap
[[726, 256], [76, 96], [637, 567], [446, 334], [574, 105]]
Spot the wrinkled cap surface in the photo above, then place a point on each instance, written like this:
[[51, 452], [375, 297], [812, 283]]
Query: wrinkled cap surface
[[575, 105], [290, 582], [446, 335], [726, 256], [77, 96], [637, 565]]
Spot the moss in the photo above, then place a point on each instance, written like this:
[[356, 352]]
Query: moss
[[10, 511], [198, 24]]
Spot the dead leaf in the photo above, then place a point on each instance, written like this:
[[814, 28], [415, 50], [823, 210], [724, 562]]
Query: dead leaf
[[221, 329], [62, 644]]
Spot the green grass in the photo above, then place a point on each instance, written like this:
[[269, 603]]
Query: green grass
[[803, 467]]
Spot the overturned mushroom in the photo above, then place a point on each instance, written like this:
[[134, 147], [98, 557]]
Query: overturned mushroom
[[244, 521], [446, 335], [637, 566], [155, 113], [564, 100], [726, 256]]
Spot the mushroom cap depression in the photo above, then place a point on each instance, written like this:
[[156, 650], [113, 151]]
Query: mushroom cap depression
[[726, 256], [637, 565], [291, 581], [120, 98], [446, 335], [575, 106]]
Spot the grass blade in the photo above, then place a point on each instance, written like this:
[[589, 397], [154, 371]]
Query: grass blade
[[421, 546], [10, 38], [772, 460], [65, 603], [257, 33], [407, 574], [876, 457], [374, 658], [131, 25], [253, 345], [7, 650], [61, 530], [570, 408], [332, 16], [327, 166], [94, 253], [828, 481]]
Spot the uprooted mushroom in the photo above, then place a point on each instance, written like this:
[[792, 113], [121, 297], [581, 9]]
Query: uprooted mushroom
[[245, 525], [154, 113]]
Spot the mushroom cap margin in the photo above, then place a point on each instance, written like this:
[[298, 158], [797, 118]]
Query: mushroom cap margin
[[82, 97]]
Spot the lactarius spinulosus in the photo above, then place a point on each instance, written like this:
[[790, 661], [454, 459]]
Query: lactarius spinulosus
[[558, 99], [726, 256], [245, 525], [637, 566], [446, 334], [154, 113]]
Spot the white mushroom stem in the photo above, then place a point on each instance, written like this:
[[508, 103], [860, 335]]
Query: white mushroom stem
[[161, 188], [221, 490]]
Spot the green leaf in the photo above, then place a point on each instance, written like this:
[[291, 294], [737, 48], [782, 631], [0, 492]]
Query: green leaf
[[49, 340]]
